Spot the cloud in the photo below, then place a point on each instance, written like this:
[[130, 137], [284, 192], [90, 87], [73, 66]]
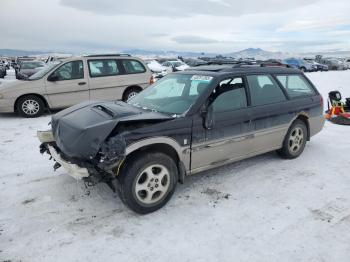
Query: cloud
[[322, 24], [189, 39], [183, 8], [221, 26]]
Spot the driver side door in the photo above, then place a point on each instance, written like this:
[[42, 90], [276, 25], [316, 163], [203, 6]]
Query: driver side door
[[67, 85], [228, 139]]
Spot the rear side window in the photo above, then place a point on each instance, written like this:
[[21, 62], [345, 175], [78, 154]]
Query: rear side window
[[103, 67], [264, 90], [296, 85], [133, 66]]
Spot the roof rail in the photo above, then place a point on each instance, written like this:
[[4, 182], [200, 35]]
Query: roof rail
[[100, 55]]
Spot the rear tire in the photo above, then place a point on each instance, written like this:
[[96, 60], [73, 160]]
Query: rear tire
[[130, 93], [303, 69], [295, 141], [147, 182], [30, 106]]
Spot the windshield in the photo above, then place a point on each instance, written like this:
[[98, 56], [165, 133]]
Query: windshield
[[173, 94], [32, 65], [44, 71]]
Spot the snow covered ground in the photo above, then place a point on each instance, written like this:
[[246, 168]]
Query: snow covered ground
[[260, 209]]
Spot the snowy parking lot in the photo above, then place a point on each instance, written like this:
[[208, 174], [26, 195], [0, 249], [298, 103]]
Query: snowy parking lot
[[260, 209]]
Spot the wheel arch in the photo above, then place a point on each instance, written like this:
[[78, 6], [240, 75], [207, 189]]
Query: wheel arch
[[130, 88], [31, 94], [305, 118], [164, 145]]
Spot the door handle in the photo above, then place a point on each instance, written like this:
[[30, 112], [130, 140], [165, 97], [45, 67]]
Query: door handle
[[82, 83]]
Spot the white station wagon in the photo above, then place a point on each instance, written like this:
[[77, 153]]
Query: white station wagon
[[71, 81]]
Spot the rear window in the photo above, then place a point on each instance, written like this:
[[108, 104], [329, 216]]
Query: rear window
[[103, 67], [296, 85], [133, 66]]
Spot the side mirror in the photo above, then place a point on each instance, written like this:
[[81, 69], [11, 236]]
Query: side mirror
[[52, 78], [208, 117]]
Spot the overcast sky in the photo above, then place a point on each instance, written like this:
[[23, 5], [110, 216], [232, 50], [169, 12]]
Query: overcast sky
[[182, 25]]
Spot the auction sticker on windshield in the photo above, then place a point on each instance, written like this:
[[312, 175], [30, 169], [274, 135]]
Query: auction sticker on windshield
[[201, 78]]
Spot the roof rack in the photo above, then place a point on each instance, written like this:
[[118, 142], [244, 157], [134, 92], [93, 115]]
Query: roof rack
[[100, 55]]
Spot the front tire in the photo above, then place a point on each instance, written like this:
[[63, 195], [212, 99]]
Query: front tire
[[147, 182], [295, 140], [30, 106]]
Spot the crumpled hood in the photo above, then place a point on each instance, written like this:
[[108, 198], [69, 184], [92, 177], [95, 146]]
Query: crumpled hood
[[80, 130]]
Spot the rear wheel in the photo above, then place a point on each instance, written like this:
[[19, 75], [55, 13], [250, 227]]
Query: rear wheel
[[130, 93], [30, 106], [303, 69], [147, 182], [295, 140]]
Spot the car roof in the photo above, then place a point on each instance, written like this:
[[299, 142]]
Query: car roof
[[102, 56], [216, 70]]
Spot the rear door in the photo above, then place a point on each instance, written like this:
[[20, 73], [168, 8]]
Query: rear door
[[271, 113], [228, 139], [67, 85]]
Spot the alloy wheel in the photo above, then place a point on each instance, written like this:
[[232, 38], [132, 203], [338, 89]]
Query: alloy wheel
[[296, 140], [152, 184], [30, 107]]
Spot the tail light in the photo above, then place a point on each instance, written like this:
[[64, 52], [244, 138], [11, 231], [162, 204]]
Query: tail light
[[151, 80], [321, 100]]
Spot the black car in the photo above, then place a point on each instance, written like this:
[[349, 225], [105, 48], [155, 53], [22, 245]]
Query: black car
[[185, 123]]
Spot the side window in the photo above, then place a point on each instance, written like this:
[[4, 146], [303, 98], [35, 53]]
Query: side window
[[103, 67], [229, 95], [133, 66], [264, 90], [70, 71], [296, 85]]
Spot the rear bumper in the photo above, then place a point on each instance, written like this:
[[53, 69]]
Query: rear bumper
[[316, 124]]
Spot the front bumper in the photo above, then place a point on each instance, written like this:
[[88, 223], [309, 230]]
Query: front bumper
[[73, 170]]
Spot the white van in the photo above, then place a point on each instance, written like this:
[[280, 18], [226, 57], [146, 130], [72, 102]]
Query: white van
[[68, 82]]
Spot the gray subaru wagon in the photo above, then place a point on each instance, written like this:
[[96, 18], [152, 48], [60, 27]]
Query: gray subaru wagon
[[185, 123]]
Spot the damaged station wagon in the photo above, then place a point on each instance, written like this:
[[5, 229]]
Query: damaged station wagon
[[185, 123]]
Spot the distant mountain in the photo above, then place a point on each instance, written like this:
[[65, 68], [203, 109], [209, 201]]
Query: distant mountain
[[258, 54], [16, 52], [155, 53]]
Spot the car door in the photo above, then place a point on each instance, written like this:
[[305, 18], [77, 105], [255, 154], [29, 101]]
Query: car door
[[67, 85], [228, 138], [271, 113], [106, 80]]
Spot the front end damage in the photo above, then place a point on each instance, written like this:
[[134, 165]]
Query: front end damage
[[89, 140], [104, 167]]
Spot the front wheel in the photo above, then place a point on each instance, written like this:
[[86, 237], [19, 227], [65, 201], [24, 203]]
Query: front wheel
[[147, 182], [295, 140], [30, 106]]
